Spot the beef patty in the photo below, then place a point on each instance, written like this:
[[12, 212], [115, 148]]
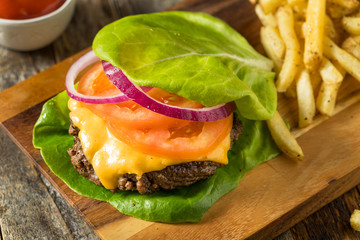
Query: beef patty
[[171, 177]]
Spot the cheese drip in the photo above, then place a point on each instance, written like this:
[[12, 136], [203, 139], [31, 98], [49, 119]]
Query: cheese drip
[[112, 158]]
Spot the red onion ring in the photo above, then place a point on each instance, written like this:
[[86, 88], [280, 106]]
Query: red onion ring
[[84, 61], [134, 92]]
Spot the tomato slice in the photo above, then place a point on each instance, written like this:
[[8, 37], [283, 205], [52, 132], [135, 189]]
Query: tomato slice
[[160, 142], [151, 132]]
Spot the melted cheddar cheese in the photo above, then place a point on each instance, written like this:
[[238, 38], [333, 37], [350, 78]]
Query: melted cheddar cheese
[[111, 158]]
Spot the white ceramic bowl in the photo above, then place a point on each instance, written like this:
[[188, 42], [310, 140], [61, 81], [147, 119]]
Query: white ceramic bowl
[[35, 33]]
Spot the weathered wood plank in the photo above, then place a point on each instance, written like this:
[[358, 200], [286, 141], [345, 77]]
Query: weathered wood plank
[[28, 93], [78, 228], [332, 221], [14, 67], [26, 208], [285, 236]]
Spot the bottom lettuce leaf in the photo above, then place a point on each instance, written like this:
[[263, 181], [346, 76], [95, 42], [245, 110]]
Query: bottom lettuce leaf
[[253, 147]]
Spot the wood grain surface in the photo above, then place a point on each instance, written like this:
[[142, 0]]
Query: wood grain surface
[[260, 208]]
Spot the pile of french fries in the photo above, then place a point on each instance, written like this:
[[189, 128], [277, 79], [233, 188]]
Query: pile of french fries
[[313, 44]]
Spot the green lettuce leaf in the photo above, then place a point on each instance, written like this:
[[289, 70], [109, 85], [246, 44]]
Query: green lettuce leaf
[[189, 204], [194, 55]]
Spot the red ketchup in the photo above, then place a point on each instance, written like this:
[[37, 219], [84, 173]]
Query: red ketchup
[[24, 9]]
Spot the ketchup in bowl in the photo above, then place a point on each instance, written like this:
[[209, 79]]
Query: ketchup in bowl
[[24, 9]]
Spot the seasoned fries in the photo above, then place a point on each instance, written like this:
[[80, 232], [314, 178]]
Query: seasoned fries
[[305, 97], [293, 3], [355, 220], [312, 29], [350, 4], [351, 25], [345, 59], [266, 19], [270, 5], [329, 73], [330, 30], [283, 138], [300, 29], [292, 59], [273, 45], [338, 11], [314, 44], [332, 79], [352, 45], [299, 7], [315, 24]]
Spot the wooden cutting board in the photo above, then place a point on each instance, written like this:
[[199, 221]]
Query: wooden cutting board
[[270, 199]]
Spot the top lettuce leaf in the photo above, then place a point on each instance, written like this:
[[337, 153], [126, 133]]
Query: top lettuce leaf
[[189, 204], [194, 55]]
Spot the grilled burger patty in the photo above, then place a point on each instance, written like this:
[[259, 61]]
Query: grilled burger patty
[[171, 177]]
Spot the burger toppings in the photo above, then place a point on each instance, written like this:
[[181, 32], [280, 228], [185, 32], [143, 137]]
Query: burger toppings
[[83, 62], [151, 132], [131, 91], [126, 138]]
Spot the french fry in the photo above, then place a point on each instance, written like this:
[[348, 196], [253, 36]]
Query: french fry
[[310, 31], [351, 25], [345, 59], [300, 29], [283, 138], [293, 3], [270, 6], [291, 91], [332, 79], [338, 11], [329, 73], [299, 7], [292, 61], [346, 3], [305, 97], [266, 19], [273, 45], [352, 46], [355, 220], [330, 30], [315, 24], [326, 99]]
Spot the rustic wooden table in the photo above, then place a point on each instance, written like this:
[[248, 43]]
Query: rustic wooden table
[[30, 208]]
